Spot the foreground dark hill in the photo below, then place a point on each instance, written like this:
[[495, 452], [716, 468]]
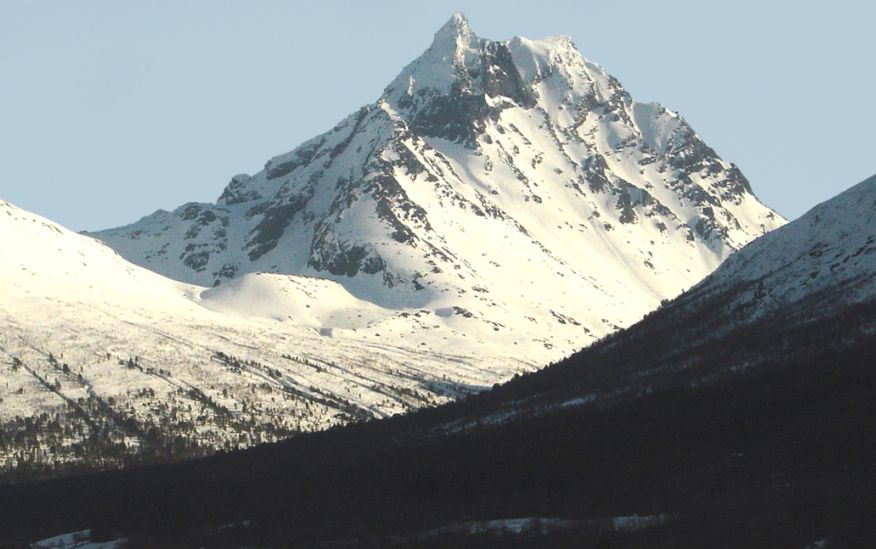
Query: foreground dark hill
[[739, 415]]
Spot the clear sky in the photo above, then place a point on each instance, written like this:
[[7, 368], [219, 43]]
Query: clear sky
[[110, 110]]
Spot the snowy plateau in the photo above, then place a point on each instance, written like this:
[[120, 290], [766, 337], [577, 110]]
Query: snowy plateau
[[500, 206]]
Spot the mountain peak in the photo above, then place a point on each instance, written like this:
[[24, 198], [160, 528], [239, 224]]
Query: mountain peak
[[481, 158], [458, 23], [454, 35]]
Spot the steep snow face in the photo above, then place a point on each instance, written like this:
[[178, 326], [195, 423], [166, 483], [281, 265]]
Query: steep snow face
[[831, 249], [513, 187]]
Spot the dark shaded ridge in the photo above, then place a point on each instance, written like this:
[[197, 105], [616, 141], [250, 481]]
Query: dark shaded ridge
[[501, 77], [265, 236], [302, 156], [462, 114]]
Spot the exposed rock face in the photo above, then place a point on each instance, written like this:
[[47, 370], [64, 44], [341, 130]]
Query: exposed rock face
[[512, 179]]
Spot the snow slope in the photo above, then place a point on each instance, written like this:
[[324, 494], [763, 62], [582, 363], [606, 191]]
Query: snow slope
[[512, 188], [108, 351]]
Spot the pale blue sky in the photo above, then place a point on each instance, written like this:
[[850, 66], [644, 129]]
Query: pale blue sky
[[110, 110]]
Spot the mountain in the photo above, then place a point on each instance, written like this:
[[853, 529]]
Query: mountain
[[501, 205], [105, 363], [514, 189], [738, 415]]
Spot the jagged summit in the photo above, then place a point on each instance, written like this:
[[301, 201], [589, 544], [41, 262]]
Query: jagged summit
[[513, 182], [456, 26]]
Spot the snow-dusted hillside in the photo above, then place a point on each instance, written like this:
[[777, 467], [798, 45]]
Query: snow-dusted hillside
[[102, 360], [815, 276], [807, 289], [513, 189], [830, 250]]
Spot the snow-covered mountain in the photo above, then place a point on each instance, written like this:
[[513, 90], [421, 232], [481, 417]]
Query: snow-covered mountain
[[513, 189], [502, 205]]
